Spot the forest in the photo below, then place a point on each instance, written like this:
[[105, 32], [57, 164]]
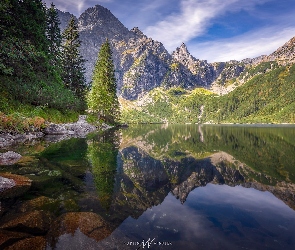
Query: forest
[[41, 69]]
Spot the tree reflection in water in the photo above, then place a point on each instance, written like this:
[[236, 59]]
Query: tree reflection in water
[[102, 153]]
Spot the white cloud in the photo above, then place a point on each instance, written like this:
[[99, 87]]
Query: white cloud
[[193, 19], [249, 45], [75, 7]]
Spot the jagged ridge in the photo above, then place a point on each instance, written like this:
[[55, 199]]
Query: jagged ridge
[[143, 64]]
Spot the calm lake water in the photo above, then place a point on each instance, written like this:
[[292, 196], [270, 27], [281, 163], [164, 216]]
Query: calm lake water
[[156, 187]]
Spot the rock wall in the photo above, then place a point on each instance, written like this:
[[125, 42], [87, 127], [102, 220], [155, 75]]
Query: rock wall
[[142, 64]]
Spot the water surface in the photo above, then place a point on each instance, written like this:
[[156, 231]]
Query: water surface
[[158, 187]]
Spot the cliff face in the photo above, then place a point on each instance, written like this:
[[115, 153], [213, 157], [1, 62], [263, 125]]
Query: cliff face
[[64, 18], [143, 64], [96, 25], [207, 73]]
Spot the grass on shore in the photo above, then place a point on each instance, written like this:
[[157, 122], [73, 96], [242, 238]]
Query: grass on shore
[[16, 117]]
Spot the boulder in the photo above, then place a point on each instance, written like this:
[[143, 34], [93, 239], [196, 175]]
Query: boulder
[[21, 185], [90, 224], [35, 243], [9, 139], [8, 238], [79, 128], [6, 183], [9, 158], [35, 223]]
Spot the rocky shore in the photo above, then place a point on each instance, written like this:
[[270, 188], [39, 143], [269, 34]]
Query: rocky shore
[[53, 132]]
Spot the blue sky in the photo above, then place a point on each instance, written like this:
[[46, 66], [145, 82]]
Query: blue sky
[[213, 30]]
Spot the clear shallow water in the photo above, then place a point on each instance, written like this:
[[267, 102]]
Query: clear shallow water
[[160, 187]]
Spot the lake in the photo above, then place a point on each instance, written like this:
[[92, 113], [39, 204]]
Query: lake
[[155, 187]]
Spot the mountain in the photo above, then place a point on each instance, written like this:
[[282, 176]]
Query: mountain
[[155, 86], [266, 96], [143, 64], [64, 18], [208, 73], [223, 77]]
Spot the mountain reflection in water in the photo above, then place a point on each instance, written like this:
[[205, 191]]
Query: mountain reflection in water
[[157, 186]]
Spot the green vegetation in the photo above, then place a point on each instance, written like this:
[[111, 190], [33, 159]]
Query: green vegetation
[[31, 82], [72, 62], [174, 105], [102, 153], [266, 151], [102, 99], [54, 36], [18, 117], [266, 98]]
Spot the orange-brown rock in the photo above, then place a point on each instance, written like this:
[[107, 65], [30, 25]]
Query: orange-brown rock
[[90, 224], [39, 203], [35, 243], [36, 223], [22, 185], [7, 237]]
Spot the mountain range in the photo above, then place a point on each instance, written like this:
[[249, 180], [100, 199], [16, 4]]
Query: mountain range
[[143, 64]]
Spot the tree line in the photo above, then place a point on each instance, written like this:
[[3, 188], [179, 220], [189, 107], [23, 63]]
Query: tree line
[[39, 65]]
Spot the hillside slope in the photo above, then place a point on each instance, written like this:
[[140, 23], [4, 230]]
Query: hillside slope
[[155, 86], [266, 98], [143, 64]]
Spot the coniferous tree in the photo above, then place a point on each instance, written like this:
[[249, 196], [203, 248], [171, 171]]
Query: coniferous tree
[[26, 70], [102, 153], [22, 36], [72, 61], [5, 18], [31, 23], [102, 98], [54, 35]]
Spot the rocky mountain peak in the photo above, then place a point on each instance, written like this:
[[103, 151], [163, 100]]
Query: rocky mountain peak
[[181, 53], [183, 48], [64, 18], [284, 54], [137, 31], [98, 16], [143, 64]]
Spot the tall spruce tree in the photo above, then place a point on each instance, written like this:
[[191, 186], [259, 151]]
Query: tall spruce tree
[[27, 74], [5, 18], [31, 23], [23, 37], [102, 98], [54, 36], [73, 63]]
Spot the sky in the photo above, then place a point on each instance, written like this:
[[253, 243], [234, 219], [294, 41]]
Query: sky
[[213, 30]]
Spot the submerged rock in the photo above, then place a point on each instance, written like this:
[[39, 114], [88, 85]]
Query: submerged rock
[[21, 185], [9, 158], [36, 243], [39, 203], [6, 183], [7, 238], [90, 224], [36, 223], [58, 132]]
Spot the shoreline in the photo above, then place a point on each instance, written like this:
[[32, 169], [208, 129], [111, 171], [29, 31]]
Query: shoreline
[[58, 132], [53, 132]]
